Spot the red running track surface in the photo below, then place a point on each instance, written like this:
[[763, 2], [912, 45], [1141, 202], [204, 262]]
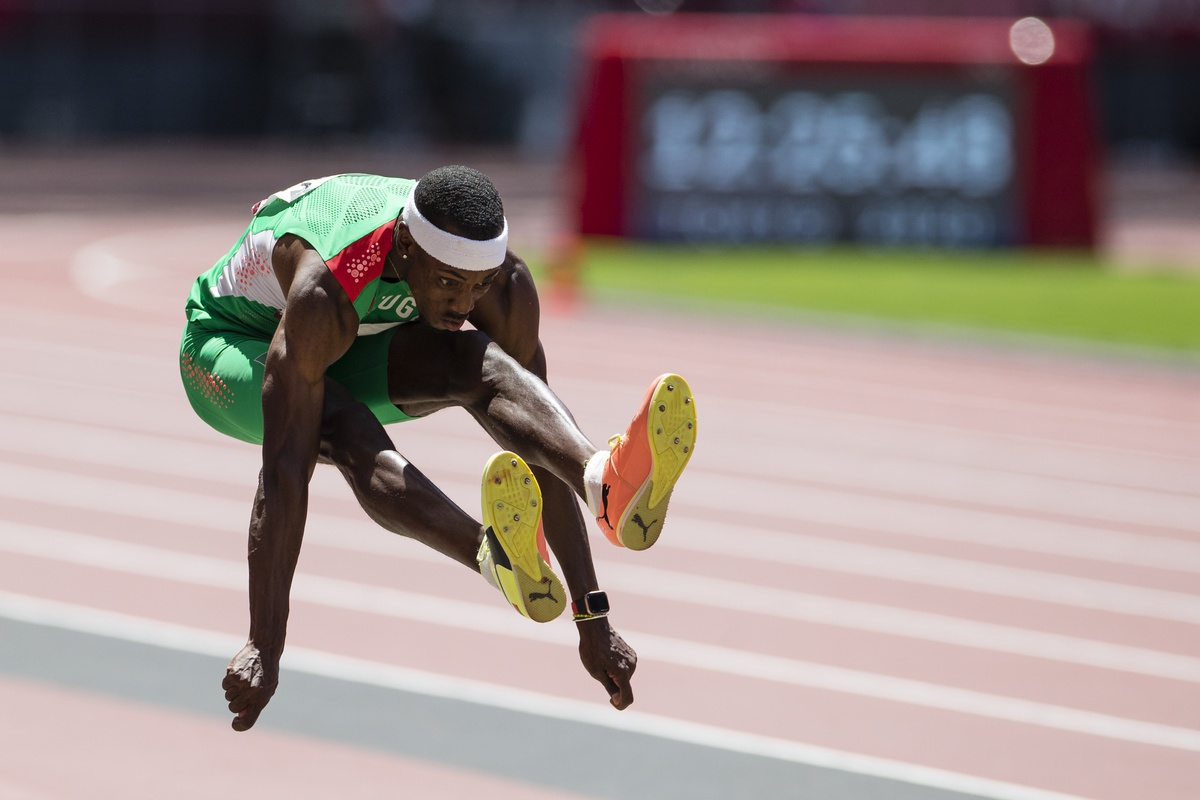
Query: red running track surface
[[971, 566]]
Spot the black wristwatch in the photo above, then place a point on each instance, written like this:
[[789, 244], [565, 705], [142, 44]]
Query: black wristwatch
[[591, 605]]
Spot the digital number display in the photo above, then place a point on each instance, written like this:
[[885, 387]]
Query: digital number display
[[927, 159]]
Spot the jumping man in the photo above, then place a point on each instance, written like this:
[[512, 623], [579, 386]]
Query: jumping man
[[340, 310]]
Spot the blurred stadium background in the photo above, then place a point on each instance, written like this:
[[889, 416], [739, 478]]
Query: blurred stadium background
[[221, 98], [498, 73], [406, 76], [971, 561]]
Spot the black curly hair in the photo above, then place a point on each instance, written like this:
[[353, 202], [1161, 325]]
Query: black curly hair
[[462, 201]]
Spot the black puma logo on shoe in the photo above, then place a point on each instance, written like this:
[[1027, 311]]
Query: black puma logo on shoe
[[645, 526], [604, 490], [546, 595]]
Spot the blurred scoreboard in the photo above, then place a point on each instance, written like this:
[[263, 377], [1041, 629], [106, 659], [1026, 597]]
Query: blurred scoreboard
[[898, 131]]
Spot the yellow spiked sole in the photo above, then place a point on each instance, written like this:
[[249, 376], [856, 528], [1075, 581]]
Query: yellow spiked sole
[[512, 508], [671, 430]]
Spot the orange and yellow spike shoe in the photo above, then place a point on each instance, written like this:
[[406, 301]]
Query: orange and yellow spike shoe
[[645, 463], [511, 555]]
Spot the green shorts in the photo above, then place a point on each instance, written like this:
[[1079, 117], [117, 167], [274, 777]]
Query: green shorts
[[223, 377]]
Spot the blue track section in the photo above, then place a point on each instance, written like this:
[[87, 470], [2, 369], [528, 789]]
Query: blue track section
[[577, 757]]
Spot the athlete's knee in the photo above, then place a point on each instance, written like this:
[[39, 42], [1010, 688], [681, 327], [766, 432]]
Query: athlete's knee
[[499, 372]]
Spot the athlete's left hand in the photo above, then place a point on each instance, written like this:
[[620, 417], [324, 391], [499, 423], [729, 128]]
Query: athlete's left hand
[[608, 659]]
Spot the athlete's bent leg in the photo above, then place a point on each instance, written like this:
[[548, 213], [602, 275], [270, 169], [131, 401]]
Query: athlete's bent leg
[[431, 369], [521, 413], [401, 499], [627, 490], [390, 489]]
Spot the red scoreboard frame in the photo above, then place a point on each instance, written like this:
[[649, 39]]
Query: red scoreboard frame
[[912, 75]]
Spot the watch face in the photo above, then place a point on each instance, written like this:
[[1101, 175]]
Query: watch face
[[596, 602]]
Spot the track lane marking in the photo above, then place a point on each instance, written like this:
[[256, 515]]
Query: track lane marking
[[893, 621], [37, 611], [802, 383], [346, 595], [175, 506], [910, 518], [640, 580], [941, 571], [787, 604], [102, 266], [736, 406]]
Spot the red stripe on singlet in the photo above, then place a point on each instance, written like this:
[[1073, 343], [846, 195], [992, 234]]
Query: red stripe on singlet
[[361, 261]]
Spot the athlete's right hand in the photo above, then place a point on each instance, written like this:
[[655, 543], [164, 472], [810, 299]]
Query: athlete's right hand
[[250, 681], [608, 659]]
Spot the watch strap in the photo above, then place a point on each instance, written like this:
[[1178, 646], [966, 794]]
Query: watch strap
[[590, 606]]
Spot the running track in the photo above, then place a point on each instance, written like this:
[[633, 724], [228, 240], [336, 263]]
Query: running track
[[893, 570]]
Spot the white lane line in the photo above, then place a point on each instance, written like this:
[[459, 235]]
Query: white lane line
[[799, 384], [335, 593], [786, 604], [994, 405], [1035, 453], [140, 399], [803, 607], [802, 385], [800, 504], [174, 506], [929, 441], [37, 611], [930, 570], [922, 480], [44, 401], [892, 621], [226, 461], [361, 536], [117, 255], [729, 406], [55, 354], [1119, 465], [36, 326], [26, 326], [1022, 493], [702, 489], [102, 266]]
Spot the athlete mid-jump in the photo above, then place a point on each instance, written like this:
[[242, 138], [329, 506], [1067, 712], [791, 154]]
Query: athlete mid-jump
[[341, 309]]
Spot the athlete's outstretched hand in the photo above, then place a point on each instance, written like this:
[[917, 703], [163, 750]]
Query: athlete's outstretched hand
[[250, 681], [608, 659]]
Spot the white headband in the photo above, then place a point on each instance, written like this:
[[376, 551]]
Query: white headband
[[456, 251]]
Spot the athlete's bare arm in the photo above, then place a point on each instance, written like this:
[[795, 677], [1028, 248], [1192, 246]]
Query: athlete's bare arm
[[509, 313], [318, 326]]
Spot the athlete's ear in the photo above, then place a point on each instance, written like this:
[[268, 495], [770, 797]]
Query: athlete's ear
[[403, 241], [400, 258]]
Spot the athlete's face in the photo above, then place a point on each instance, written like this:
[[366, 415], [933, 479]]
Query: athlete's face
[[444, 295]]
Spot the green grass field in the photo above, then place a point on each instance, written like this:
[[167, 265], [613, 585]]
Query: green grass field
[[1056, 294]]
